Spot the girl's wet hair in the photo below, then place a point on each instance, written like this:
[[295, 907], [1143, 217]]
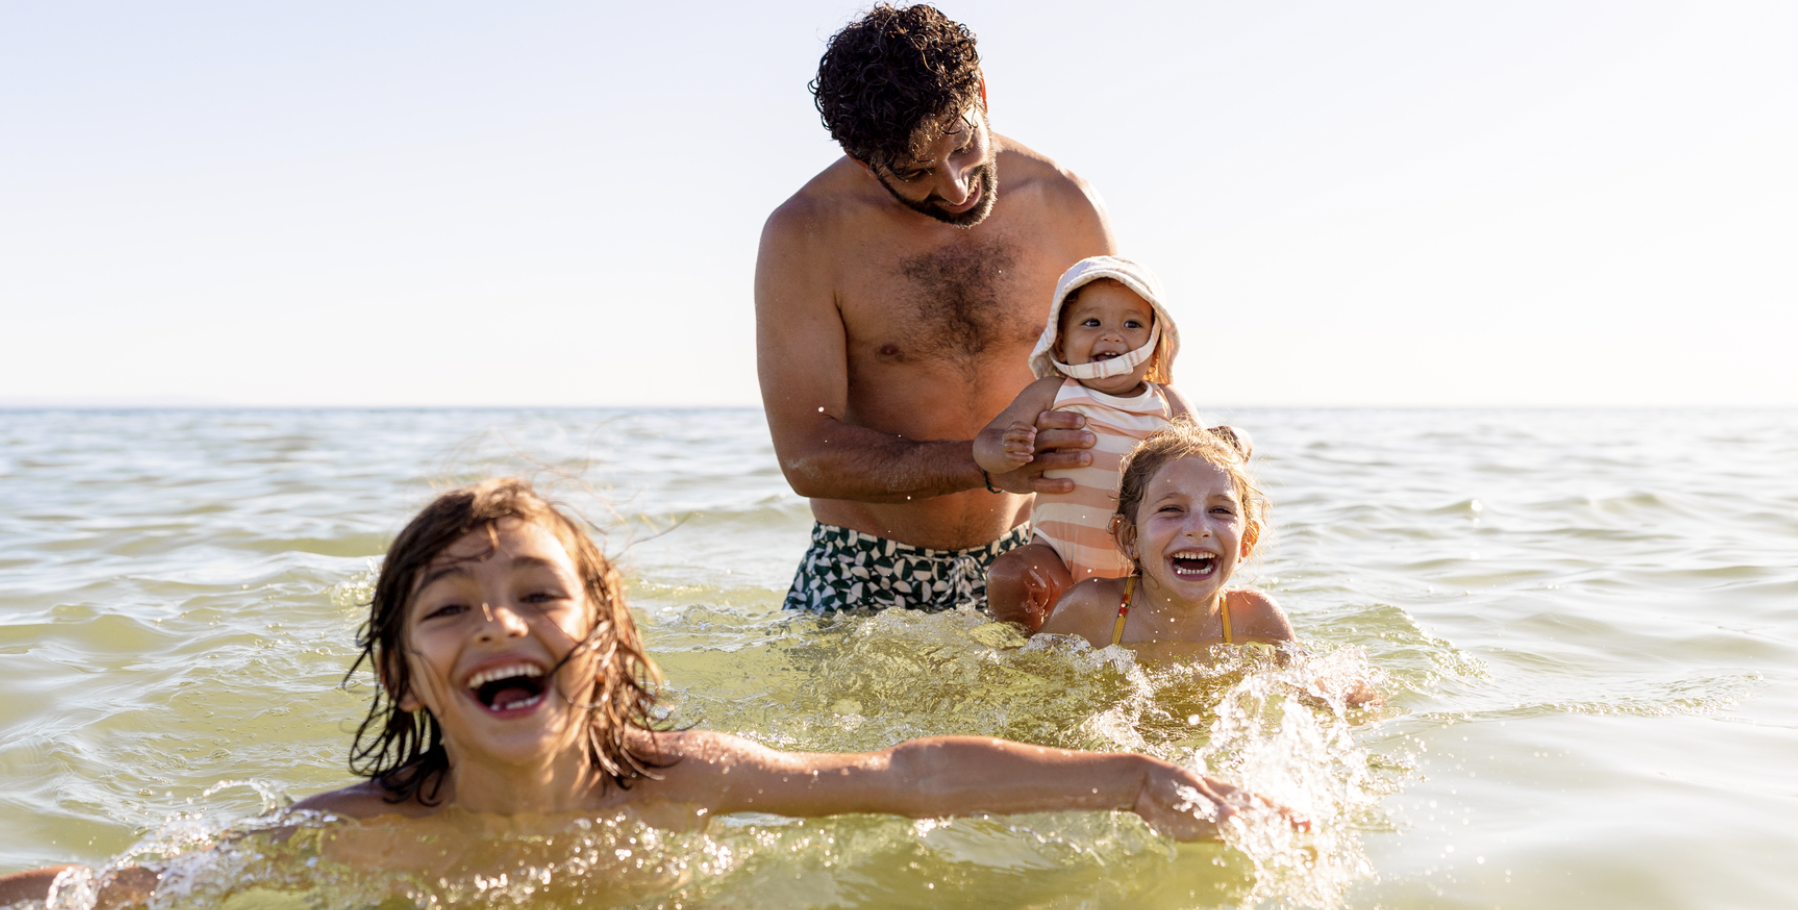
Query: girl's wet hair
[[403, 751], [1185, 439]]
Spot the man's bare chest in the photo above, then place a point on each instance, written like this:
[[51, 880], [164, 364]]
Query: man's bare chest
[[961, 302]]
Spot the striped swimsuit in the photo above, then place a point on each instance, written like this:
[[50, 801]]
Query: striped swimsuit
[[1078, 524]]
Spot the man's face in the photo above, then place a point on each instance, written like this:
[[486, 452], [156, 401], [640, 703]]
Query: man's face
[[957, 182]]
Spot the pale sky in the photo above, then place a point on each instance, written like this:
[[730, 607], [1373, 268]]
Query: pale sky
[[462, 203]]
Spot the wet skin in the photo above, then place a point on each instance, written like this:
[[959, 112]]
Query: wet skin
[[511, 601], [508, 602], [484, 607], [1189, 535], [886, 338]]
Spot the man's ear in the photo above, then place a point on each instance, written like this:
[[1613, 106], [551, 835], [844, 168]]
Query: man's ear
[[984, 106]]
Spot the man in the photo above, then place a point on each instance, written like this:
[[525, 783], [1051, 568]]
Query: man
[[898, 294]]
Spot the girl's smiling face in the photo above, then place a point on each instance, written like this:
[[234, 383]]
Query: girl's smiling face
[[493, 615], [1190, 531], [1106, 320]]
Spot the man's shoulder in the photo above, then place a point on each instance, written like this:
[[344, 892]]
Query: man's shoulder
[[832, 197], [1022, 167]]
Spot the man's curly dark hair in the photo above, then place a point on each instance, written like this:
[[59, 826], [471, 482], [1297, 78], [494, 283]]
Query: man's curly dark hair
[[891, 81]]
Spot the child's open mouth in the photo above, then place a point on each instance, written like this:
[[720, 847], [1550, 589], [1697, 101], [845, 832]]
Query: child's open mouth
[[1193, 564], [1106, 355], [509, 688]]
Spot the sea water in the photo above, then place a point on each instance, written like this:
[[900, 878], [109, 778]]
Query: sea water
[[1584, 625]]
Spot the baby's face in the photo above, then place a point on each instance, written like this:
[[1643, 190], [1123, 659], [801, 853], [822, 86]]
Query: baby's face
[[1106, 320]]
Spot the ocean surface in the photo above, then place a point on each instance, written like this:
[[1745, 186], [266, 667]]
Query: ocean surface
[[1584, 625]]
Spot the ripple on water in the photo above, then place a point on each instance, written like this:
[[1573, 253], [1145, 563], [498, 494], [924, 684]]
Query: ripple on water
[[1603, 641]]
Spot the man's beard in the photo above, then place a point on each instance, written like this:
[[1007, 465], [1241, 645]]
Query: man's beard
[[986, 180]]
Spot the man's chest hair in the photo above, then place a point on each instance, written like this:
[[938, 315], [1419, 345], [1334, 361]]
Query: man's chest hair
[[962, 301]]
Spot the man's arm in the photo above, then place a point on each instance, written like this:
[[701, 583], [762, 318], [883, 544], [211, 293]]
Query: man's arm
[[802, 360]]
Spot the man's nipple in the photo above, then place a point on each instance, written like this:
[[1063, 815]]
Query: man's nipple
[[890, 351]]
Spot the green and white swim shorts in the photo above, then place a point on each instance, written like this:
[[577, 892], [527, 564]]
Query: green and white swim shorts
[[845, 569]]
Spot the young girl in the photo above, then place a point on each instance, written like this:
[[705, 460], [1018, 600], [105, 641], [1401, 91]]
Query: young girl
[[513, 684], [1188, 513], [1106, 354]]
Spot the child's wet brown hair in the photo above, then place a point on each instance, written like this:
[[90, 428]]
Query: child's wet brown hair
[[1185, 439], [403, 751]]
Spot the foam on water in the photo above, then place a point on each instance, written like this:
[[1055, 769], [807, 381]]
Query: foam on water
[[1583, 625], [1277, 727]]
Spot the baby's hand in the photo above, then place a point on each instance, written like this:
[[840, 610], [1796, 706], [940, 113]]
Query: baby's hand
[[1020, 444], [1236, 437]]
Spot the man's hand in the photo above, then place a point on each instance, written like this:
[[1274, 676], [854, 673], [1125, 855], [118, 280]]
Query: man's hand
[[1061, 442]]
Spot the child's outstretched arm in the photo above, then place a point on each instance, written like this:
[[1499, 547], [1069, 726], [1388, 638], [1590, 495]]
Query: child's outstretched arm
[[128, 887], [1009, 442], [942, 776], [1263, 620]]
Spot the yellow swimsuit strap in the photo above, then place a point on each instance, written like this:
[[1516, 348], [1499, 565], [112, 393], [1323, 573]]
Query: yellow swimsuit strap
[[1117, 630]]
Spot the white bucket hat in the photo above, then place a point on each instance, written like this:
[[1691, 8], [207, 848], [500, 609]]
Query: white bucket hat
[[1164, 339]]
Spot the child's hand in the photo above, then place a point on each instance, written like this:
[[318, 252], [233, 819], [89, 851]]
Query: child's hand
[[1020, 444], [1182, 805], [1003, 451], [1236, 437]]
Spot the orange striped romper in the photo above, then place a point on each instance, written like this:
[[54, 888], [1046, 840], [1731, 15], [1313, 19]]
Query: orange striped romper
[[1077, 524]]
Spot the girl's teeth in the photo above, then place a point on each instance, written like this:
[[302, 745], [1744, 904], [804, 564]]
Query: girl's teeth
[[1192, 566], [486, 676]]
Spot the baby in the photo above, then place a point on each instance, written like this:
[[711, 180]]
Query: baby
[[1106, 354]]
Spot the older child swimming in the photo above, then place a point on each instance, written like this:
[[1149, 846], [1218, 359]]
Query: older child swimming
[[513, 683], [1188, 514], [1106, 354]]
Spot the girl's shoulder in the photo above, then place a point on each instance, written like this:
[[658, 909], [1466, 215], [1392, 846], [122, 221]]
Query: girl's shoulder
[[1088, 609], [367, 799], [1255, 615]]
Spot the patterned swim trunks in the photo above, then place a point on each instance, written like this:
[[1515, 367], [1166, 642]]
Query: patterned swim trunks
[[846, 568]]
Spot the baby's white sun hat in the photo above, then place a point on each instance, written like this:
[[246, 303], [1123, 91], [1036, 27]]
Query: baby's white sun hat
[[1164, 338]]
